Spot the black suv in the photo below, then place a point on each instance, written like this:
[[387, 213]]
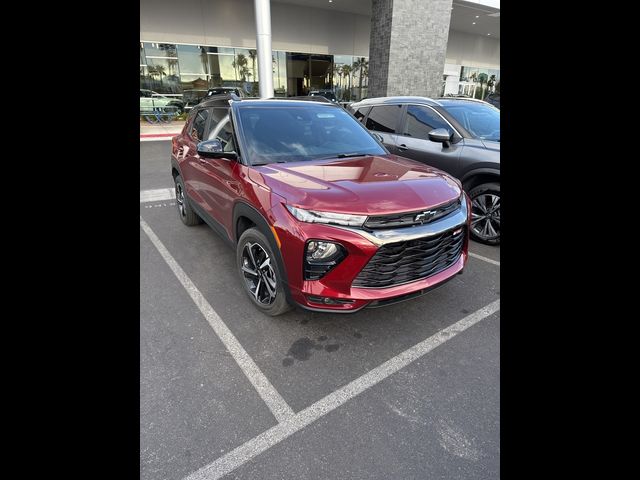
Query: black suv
[[493, 99], [458, 135], [192, 98], [328, 94], [225, 91]]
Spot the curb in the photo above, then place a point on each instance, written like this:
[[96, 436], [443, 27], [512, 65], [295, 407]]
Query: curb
[[156, 135]]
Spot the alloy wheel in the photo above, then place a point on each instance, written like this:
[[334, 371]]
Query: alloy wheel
[[485, 216], [258, 273], [180, 199]]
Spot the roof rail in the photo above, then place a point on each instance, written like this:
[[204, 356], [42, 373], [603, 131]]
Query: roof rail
[[315, 98], [230, 97]]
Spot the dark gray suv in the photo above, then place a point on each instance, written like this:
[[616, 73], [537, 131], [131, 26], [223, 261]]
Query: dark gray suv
[[458, 135]]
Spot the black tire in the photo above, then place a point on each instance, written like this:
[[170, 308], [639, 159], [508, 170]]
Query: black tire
[[271, 304], [485, 211], [175, 108], [185, 212]]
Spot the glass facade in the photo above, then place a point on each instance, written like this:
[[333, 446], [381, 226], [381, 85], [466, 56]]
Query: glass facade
[[478, 82], [175, 69]]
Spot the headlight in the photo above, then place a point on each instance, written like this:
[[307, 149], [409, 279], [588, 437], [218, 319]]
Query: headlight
[[320, 257], [321, 251], [312, 216]]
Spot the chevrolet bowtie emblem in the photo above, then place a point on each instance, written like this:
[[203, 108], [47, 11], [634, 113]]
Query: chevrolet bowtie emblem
[[424, 216]]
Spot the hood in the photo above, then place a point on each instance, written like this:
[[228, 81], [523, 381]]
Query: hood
[[371, 185]]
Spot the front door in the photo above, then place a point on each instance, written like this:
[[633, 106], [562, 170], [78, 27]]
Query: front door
[[413, 141], [218, 183]]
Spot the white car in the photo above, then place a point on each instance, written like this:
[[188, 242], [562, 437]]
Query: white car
[[150, 101]]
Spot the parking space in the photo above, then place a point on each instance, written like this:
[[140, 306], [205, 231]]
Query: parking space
[[188, 381], [154, 161], [435, 418]]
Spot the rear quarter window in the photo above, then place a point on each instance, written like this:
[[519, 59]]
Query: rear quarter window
[[360, 113], [384, 118]]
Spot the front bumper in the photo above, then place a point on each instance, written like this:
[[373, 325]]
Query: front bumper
[[361, 246]]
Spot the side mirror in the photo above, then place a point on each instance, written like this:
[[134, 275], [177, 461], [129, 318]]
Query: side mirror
[[213, 149], [440, 135]]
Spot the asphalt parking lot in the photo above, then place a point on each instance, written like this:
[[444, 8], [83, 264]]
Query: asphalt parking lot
[[410, 391]]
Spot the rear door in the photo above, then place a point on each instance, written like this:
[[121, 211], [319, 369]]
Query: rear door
[[190, 162], [385, 121], [412, 140]]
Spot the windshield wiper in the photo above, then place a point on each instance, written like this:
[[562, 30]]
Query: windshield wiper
[[259, 164], [344, 155], [347, 155]]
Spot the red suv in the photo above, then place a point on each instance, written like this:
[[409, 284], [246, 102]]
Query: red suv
[[319, 213]]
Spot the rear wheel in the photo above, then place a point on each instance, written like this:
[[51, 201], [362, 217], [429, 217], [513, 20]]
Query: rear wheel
[[259, 273], [185, 212], [485, 213], [175, 108]]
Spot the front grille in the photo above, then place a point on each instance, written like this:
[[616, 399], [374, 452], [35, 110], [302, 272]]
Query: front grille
[[404, 262], [409, 219]]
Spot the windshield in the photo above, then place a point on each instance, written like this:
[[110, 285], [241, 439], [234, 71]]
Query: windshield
[[482, 121], [305, 132]]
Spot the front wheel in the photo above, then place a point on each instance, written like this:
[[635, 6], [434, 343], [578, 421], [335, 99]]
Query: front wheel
[[485, 213], [259, 273]]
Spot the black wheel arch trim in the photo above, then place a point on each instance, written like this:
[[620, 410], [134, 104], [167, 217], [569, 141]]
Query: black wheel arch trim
[[174, 164], [480, 171], [243, 209]]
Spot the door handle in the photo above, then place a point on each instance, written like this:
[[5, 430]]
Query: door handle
[[402, 147], [202, 160]]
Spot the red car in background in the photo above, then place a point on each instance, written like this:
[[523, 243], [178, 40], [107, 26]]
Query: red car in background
[[319, 213]]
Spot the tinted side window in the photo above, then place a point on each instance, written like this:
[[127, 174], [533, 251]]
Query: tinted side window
[[217, 114], [384, 118], [199, 123], [361, 112], [224, 133], [421, 120], [221, 129]]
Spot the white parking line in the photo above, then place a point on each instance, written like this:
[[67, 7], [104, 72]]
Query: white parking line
[[157, 195], [276, 434], [480, 257], [280, 409]]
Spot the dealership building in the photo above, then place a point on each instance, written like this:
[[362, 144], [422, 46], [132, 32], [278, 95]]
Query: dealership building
[[355, 48]]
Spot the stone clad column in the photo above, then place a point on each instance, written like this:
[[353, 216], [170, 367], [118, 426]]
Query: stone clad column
[[408, 46]]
